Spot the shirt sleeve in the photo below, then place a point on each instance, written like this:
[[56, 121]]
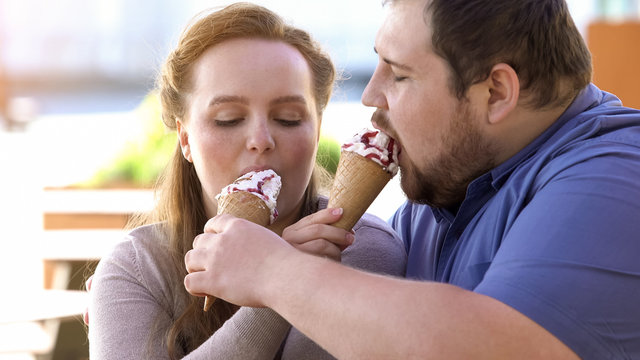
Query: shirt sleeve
[[125, 307], [570, 260]]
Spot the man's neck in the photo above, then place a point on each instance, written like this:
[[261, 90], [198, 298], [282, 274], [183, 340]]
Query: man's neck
[[523, 126]]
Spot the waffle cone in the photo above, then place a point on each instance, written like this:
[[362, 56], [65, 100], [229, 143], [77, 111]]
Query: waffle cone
[[357, 183], [246, 206]]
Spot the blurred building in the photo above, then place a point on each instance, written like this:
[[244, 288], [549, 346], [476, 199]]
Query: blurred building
[[76, 55], [74, 40], [116, 46]]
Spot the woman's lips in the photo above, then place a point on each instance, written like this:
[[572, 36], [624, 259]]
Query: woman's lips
[[256, 168]]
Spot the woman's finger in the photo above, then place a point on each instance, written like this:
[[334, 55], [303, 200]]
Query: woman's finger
[[87, 284], [324, 216], [339, 237], [321, 248]]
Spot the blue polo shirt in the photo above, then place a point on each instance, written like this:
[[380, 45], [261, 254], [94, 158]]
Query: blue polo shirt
[[553, 232]]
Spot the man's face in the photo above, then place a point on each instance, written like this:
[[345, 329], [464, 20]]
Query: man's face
[[443, 147]]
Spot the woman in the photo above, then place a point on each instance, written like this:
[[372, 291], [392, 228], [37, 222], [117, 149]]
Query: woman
[[243, 91]]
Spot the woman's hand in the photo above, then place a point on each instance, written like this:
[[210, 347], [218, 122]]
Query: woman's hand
[[314, 234], [85, 314]]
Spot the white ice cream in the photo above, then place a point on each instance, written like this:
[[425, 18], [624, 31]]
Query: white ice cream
[[264, 184], [377, 146]]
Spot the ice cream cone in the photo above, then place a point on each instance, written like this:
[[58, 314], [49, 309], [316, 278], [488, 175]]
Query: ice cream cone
[[357, 183], [246, 206]]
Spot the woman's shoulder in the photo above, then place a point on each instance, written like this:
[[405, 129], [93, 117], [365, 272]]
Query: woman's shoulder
[[368, 222], [371, 221], [377, 248], [145, 244], [143, 256]]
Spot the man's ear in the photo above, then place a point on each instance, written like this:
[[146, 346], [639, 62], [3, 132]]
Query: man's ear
[[504, 92], [183, 138]]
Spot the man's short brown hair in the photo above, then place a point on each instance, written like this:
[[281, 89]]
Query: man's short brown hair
[[537, 38]]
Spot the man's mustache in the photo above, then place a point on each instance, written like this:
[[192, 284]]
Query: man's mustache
[[380, 118]]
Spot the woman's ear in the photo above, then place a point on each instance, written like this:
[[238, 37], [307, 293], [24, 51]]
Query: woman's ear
[[504, 92], [183, 138]]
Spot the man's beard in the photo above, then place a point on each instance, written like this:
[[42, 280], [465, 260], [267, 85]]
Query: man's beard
[[443, 181]]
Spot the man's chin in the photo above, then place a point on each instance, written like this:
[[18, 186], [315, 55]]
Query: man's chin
[[421, 190], [411, 187]]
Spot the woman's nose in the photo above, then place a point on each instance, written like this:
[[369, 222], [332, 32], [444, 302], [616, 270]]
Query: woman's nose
[[260, 138], [372, 94]]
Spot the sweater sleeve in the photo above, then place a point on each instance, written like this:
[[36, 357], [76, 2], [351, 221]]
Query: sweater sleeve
[[131, 296], [123, 310], [251, 333]]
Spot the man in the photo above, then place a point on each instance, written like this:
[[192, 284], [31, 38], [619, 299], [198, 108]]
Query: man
[[528, 245]]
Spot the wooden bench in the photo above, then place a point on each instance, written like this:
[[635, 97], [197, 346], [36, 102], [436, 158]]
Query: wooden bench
[[79, 227], [29, 321], [93, 209]]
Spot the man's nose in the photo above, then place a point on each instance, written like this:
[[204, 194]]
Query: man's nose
[[372, 95]]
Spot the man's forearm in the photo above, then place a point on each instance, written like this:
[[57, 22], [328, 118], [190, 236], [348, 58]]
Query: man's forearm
[[353, 314]]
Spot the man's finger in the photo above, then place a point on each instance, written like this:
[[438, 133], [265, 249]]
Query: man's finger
[[195, 282], [218, 223], [195, 260]]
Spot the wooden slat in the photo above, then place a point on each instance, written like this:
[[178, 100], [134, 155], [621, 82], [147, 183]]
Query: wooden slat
[[63, 221], [19, 340]]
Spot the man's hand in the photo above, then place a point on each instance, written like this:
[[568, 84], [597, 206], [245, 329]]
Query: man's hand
[[234, 260]]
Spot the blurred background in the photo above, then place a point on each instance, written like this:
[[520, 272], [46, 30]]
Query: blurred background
[[81, 141]]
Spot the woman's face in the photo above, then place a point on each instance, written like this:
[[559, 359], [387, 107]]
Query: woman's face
[[251, 108]]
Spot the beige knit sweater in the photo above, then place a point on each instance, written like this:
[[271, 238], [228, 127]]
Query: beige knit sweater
[[131, 294]]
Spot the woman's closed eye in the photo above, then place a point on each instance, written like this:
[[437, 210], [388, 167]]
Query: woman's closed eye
[[227, 123], [288, 122]]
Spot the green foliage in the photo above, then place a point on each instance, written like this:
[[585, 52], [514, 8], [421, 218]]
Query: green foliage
[[140, 163], [328, 154]]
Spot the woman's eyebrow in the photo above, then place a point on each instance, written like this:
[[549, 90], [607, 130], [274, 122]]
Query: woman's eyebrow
[[222, 99], [289, 99]]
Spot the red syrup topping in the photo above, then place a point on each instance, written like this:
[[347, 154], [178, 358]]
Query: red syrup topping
[[258, 189], [366, 140]]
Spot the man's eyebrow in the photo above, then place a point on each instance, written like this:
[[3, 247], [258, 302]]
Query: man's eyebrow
[[394, 63], [222, 99]]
